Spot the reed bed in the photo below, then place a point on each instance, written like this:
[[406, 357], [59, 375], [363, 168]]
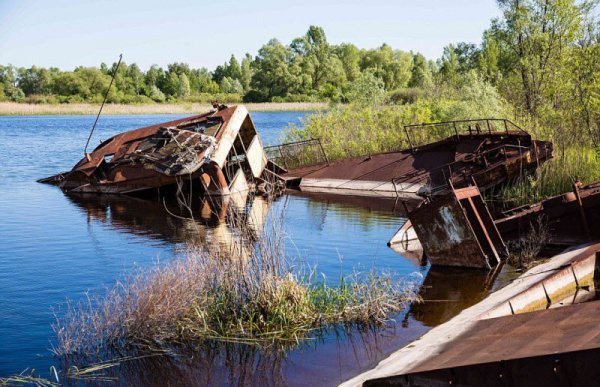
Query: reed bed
[[252, 296], [554, 177], [21, 109]]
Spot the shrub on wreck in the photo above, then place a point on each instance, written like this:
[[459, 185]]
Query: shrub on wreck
[[555, 177]]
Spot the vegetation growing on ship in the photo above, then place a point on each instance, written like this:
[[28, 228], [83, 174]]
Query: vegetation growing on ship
[[365, 128], [538, 65]]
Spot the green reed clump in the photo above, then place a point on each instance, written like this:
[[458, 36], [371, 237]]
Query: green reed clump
[[233, 295], [554, 177]]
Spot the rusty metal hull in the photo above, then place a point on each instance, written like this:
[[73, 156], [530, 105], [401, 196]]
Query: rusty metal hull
[[489, 159], [457, 230], [571, 218], [211, 149], [555, 347], [490, 343]]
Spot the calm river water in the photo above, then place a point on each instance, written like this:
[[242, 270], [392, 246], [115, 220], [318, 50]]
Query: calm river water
[[54, 247]]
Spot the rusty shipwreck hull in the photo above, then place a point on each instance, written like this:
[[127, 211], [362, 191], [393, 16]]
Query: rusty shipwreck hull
[[218, 151], [456, 229], [571, 218], [489, 152]]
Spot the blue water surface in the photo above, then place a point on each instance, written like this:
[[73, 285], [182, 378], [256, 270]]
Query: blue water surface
[[53, 248]]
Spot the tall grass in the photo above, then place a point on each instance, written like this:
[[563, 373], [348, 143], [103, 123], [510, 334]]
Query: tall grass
[[554, 177], [257, 297]]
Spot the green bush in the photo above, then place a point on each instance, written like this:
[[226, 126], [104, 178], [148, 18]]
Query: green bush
[[42, 99], [136, 99], [357, 129], [404, 96], [297, 98], [255, 96], [366, 89]]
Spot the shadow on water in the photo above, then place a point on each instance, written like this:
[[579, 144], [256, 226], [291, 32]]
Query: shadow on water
[[447, 291]]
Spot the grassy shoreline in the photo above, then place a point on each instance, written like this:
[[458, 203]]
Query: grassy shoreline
[[26, 109]]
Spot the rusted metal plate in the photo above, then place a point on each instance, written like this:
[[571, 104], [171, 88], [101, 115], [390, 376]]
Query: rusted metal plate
[[446, 235], [457, 230], [554, 347], [490, 158], [571, 218]]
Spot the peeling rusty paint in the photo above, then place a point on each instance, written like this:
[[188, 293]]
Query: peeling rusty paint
[[457, 230]]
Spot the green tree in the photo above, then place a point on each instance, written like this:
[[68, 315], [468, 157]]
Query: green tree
[[231, 85], [538, 32], [35, 80], [349, 55], [234, 69], [246, 72], [156, 95], [489, 57], [421, 75], [393, 67], [205, 83], [449, 65], [366, 89], [271, 73], [137, 78], [184, 86], [171, 84], [317, 56], [9, 80], [583, 66], [467, 55], [154, 77]]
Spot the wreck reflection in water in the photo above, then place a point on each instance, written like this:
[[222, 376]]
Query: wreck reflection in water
[[446, 291], [199, 221], [332, 355]]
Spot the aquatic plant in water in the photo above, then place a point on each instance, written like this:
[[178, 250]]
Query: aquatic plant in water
[[258, 297]]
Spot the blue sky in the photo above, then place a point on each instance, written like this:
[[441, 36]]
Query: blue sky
[[66, 34]]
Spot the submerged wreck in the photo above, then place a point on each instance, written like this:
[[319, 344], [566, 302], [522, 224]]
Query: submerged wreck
[[216, 153], [220, 152], [487, 151], [457, 229]]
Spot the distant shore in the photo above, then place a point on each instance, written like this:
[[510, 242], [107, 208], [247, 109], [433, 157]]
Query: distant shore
[[25, 109]]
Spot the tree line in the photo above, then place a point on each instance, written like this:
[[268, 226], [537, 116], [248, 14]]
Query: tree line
[[541, 56], [307, 69]]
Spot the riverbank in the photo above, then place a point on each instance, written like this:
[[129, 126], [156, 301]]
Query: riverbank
[[25, 109]]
